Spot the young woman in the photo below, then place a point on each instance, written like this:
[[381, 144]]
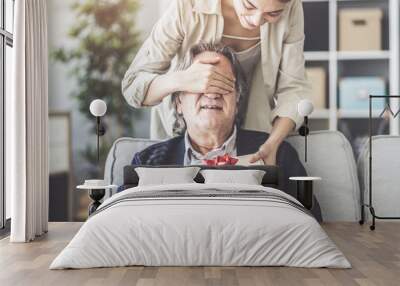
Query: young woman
[[268, 37]]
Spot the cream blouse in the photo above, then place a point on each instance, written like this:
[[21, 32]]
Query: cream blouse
[[278, 83], [248, 60]]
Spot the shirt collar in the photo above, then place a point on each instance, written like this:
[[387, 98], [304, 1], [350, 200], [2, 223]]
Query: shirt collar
[[207, 6], [228, 147]]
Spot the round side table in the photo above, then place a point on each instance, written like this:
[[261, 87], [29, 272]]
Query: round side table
[[96, 193], [305, 190]]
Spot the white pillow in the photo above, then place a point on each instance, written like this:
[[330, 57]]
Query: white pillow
[[163, 176], [248, 177]]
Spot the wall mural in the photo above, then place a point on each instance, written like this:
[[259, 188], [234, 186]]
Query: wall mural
[[107, 41]]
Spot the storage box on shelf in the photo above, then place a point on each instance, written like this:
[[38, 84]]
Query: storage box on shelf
[[354, 93], [317, 77], [360, 29]]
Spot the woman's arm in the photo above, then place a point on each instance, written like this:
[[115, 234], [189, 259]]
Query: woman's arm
[[292, 84], [154, 57], [160, 87], [147, 82]]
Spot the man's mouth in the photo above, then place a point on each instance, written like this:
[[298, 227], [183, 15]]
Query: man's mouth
[[211, 107]]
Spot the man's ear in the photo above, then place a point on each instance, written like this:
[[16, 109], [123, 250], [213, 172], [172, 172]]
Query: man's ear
[[237, 109]]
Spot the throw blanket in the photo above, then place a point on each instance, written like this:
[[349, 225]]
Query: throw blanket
[[201, 224]]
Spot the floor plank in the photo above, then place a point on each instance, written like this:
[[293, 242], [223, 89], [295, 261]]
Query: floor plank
[[375, 257]]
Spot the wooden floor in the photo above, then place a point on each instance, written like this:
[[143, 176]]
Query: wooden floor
[[375, 257]]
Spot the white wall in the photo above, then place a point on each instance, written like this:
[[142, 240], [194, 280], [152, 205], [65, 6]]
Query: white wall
[[61, 85]]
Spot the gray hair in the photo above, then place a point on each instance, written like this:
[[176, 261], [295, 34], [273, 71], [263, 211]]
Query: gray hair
[[241, 85]]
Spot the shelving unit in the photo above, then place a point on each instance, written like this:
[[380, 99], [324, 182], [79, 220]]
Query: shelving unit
[[321, 49]]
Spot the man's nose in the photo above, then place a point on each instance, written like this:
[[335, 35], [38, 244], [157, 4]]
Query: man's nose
[[213, 95]]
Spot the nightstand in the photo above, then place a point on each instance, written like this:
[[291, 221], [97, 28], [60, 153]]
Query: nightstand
[[305, 190], [97, 190]]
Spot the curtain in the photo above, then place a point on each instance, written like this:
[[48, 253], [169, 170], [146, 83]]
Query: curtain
[[27, 123]]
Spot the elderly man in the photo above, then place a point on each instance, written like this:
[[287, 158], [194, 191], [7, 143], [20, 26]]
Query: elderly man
[[210, 125]]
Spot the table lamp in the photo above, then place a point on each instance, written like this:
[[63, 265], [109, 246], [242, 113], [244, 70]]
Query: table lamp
[[98, 108], [305, 184]]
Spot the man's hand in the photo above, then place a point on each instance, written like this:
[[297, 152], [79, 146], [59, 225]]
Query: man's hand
[[267, 152]]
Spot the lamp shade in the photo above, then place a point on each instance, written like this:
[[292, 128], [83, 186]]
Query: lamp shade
[[305, 107], [98, 107]]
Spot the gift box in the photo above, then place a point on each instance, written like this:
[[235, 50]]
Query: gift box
[[354, 93]]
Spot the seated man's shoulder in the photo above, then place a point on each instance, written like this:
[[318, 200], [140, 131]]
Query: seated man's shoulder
[[252, 134], [259, 137], [156, 152], [163, 144], [287, 149], [248, 141]]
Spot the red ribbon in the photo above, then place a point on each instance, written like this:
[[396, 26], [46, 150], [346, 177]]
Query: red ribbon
[[221, 160]]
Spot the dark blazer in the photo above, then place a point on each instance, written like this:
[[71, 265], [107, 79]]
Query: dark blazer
[[171, 152]]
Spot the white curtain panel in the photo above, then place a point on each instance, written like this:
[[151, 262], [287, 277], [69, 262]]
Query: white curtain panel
[[27, 121]]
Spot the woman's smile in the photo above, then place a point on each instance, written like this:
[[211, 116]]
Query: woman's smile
[[255, 13]]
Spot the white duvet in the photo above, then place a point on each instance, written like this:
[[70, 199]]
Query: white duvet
[[183, 231]]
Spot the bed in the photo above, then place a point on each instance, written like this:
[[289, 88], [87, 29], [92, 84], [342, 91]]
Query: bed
[[199, 224]]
